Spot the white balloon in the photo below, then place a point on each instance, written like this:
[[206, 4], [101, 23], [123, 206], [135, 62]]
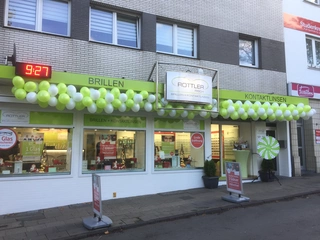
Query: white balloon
[[190, 106], [300, 105], [172, 113], [161, 112], [241, 111], [215, 109], [109, 97], [123, 97], [53, 101], [261, 111], [257, 103], [71, 104], [310, 113], [278, 113], [184, 114], [214, 101], [94, 94], [231, 109], [71, 90], [239, 103], [53, 90], [203, 113], [92, 108], [303, 114], [250, 112], [137, 98], [214, 115], [164, 102], [227, 116], [122, 107], [286, 113], [135, 107], [31, 97], [77, 97], [230, 101], [148, 106], [151, 98], [295, 112], [248, 103], [269, 111], [108, 108]]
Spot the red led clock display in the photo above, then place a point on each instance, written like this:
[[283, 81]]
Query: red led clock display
[[33, 70]]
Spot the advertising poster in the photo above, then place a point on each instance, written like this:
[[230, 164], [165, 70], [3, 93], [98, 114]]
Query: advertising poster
[[32, 146], [96, 195], [167, 144], [107, 147], [233, 177], [317, 134]]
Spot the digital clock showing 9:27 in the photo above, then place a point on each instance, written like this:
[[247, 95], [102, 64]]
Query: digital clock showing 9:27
[[33, 70]]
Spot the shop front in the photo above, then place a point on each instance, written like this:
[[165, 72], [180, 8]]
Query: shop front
[[57, 132]]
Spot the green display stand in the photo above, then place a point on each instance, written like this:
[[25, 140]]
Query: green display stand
[[242, 157]]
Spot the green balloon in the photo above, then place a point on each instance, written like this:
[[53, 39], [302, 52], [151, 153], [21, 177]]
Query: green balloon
[[20, 94], [87, 101], [291, 107], [101, 103], [18, 82], [30, 86], [80, 106], [116, 103], [264, 116], [129, 103], [62, 88], [144, 94], [64, 98], [44, 85], [254, 116], [13, 90], [190, 115], [223, 112], [300, 109], [103, 92], [306, 108], [245, 106], [99, 110], [244, 116], [236, 106], [180, 109], [141, 104], [296, 117], [60, 106], [272, 117], [234, 116], [255, 107], [43, 96], [156, 107], [225, 104], [85, 91], [208, 106], [43, 104], [130, 93], [289, 118], [115, 92]]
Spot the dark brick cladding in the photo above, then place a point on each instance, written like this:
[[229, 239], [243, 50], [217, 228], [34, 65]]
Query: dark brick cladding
[[2, 12], [148, 32], [272, 55], [80, 19]]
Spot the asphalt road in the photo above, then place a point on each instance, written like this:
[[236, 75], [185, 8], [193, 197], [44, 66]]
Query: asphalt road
[[295, 220]]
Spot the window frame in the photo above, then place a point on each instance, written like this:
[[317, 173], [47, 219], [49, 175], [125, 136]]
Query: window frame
[[175, 27], [256, 49], [312, 2], [314, 53], [114, 27], [39, 19]]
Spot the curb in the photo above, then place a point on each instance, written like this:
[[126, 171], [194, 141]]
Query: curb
[[215, 210]]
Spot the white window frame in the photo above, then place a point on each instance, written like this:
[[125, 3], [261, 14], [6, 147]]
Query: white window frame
[[175, 40], [314, 54], [255, 53], [313, 2], [38, 20], [114, 28]]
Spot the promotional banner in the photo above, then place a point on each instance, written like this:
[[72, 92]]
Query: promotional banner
[[32, 146], [301, 24], [107, 147], [167, 145], [96, 195], [233, 177]]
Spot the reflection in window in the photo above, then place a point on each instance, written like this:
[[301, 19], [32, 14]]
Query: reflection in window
[[174, 151], [113, 150], [247, 53], [313, 52], [36, 151]]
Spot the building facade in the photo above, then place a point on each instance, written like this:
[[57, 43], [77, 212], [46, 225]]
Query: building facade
[[91, 87], [302, 47]]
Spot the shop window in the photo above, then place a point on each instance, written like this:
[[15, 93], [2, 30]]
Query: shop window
[[49, 16], [114, 28], [178, 150], [313, 52], [175, 39], [248, 52], [34, 151], [113, 150]]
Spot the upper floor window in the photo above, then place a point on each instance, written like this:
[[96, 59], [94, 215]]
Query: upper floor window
[[50, 16], [172, 38], [313, 1], [248, 53], [313, 52], [114, 28]]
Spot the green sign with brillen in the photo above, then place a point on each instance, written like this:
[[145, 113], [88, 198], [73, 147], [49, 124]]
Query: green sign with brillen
[[114, 121]]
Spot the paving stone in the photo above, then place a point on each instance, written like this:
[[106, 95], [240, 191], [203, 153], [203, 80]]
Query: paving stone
[[57, 235]]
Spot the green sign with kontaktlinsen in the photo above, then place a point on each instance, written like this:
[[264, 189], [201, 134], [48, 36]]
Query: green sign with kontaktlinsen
[[51, 118], [114, 121], [261, 97], [168, 123]]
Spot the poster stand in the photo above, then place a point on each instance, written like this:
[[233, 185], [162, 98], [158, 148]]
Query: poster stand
[[234, 183], [98, 220]]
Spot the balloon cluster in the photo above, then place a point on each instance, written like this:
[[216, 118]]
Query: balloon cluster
[[62, 96], [257, 110]]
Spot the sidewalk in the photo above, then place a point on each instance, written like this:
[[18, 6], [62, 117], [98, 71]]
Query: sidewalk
[[66, 222]]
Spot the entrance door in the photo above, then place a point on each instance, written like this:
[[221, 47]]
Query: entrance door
[[301, 149], [272, 133]]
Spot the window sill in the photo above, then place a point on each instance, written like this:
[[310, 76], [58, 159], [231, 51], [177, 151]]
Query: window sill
[[113, 45], [176, 55], [35, 31], [249, 66]]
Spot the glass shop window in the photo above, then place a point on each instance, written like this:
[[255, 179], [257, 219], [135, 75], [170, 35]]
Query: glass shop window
[[178, 150], [113, 150], [31, 151]]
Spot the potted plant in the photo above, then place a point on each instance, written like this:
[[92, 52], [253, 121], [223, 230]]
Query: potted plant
[[210, 179], [266, 173]]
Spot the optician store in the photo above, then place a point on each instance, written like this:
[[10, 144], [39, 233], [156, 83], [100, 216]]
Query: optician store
[[56, 132]]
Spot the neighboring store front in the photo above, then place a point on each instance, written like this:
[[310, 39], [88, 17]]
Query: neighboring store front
[[136, 149]]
